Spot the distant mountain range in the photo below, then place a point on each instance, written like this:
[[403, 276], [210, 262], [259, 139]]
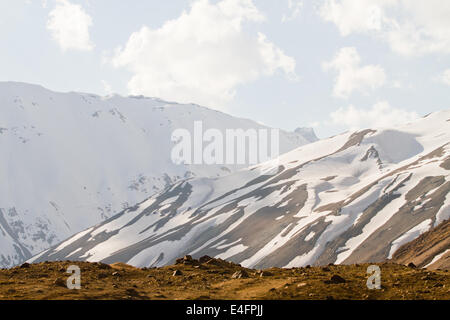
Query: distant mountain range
[[356, 197], [72, 160]]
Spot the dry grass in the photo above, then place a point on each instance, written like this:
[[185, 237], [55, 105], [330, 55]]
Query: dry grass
[[212, 279]]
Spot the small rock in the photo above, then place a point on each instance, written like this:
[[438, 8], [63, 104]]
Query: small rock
[[102, 276], [212, 262], [239, 274], [187, 259], [103, 266], [411, 265], [326, 269], [335, 279], [131, 292], [59, 282], [25, 265], [301, 284], [116, 274], [213, 271], [265, 274], [177, 273]]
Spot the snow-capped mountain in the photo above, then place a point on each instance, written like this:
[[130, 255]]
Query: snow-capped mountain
[[71, 160], [356, 197]]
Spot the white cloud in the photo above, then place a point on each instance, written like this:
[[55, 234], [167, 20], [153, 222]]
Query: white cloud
[[295, 7], [43, 2], [445, 77], [410, 27], [353, 16], [380, 115], [107, 87], [202, 56], [351, 76], [69, 25]]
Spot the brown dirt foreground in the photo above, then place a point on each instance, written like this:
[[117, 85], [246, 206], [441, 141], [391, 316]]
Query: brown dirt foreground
[[213, 279]]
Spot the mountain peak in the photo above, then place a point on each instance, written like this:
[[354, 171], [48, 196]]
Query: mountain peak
[[308, 133]]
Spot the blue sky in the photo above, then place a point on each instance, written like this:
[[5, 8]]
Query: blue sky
[[332, 64]]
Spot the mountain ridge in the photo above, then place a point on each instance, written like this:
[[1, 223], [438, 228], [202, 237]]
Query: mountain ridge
[[430, 250], [74, 159], [353, 198]]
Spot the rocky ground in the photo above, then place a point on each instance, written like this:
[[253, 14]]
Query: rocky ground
[[208, 278]]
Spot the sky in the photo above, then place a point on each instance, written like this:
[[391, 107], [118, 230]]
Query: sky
[[333, 65]]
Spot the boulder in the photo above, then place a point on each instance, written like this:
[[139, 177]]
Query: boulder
[[335, 279], [177, 273], [240, 274]]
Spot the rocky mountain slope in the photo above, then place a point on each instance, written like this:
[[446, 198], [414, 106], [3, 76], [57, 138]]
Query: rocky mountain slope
[[71, 160], [430, 250], [353, 198]]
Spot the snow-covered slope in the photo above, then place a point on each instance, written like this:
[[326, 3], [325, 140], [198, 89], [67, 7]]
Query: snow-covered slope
[[354, 197], [71, 160], [430, 250]]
